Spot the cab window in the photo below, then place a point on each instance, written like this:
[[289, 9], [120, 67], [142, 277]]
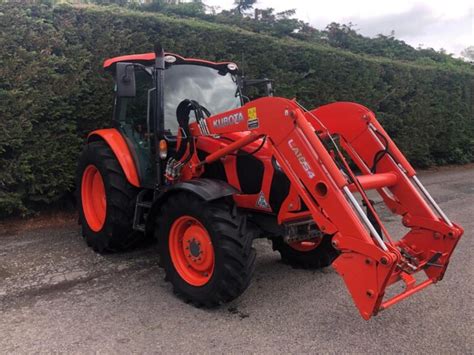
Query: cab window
[[217, 91]]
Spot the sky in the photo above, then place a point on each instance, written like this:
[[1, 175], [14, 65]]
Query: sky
[[447, 24]]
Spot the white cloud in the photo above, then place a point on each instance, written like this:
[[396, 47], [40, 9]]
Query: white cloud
[[433, 23]]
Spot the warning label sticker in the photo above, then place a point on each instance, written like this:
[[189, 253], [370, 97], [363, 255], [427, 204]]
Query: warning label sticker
[[252, 122], [262, 202]]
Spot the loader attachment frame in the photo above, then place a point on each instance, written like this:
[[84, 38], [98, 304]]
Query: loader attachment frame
[[304, 145]]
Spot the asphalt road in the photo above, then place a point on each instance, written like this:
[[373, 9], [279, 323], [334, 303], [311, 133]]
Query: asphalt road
[[58, 295]]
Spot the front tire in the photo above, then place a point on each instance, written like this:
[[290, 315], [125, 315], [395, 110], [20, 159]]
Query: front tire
[[205, 249], [106, 200]]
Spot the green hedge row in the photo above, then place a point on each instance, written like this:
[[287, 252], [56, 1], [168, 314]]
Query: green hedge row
[[53, 89]]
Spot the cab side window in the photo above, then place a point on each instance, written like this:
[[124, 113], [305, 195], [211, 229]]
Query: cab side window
[[131, 112]]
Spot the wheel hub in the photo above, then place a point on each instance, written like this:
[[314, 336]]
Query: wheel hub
[[191, 250], [194, 248]]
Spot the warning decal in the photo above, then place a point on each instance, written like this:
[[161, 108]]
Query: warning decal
[[252, 122]]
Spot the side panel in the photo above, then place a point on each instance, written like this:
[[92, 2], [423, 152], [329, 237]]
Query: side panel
[[254, 197], [120, 148]]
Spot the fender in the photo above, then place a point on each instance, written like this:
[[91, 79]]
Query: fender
[[120, 148], [206, 189]]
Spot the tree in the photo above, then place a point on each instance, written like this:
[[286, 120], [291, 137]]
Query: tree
[[243, 5], [193, 8], [468, 53], [341, 36]]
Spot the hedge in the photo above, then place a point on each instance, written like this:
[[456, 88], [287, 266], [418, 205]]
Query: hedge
[[53, 89]]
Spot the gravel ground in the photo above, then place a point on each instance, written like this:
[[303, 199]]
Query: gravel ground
[[58, 295]]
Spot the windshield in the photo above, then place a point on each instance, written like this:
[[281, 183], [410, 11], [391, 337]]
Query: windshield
[[218, 92]]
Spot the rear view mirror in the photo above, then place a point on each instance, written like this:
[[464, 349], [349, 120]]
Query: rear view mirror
[[125, 80]]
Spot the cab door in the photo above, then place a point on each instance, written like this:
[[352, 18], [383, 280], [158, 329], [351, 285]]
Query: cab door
[[133, 116]]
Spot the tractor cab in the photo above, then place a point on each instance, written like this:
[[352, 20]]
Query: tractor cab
[[215, 86]]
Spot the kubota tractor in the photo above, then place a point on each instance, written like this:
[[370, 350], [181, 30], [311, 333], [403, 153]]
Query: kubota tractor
[[194, 163]]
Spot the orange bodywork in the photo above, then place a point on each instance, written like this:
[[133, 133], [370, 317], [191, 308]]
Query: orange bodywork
[[120, 148]]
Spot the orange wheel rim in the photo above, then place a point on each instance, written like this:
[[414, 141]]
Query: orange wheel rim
[[94, 203], [191, 251], [306, 245]]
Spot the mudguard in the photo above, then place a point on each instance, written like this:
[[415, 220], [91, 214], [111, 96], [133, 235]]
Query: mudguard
[[121, 150], [206, 189]]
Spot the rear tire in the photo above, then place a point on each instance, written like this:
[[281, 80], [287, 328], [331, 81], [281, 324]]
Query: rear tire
[[205, 276], [106, 220], [306, 257]]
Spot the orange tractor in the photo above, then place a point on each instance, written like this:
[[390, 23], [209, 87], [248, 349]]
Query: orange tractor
[[192, 162]]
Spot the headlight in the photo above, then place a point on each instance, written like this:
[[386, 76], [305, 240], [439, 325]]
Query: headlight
[[170, 59], [232, 66]]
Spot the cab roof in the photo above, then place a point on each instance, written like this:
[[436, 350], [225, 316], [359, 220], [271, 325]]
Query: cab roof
[[148, 58]]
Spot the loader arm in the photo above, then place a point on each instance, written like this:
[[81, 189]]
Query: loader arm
[[370, 258]]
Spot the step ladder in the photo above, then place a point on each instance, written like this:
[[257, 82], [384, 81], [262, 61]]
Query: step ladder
[[142, 208]]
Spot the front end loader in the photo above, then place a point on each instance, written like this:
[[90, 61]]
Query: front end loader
[[193, 162]]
